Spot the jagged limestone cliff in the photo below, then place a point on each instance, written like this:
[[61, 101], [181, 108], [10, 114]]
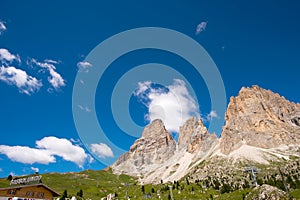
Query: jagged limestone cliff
[[261, 126], [154, 156], [260, 118]]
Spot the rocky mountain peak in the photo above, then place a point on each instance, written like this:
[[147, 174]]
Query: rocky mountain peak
[[154, 129], [260, 126], [260, 118], [194, 136], [154, 156], [186, 131], [154, 147]]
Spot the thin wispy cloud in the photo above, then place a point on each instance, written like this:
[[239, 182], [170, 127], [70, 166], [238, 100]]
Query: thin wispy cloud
[[201, 27], [211, 115], [102, 150], [55, 79], [173, 104], [2, 27], [35, 169], [77, 141], [84, 66], [19, 78], [46, 151], [51, 61], [84, 108]]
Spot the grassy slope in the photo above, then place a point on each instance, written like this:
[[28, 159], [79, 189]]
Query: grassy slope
[[97, 184]]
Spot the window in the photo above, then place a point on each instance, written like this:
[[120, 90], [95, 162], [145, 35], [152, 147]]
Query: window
[[11, 192], [40, 195], [30, 194]]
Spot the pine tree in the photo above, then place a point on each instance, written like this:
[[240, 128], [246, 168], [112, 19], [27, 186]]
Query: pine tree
[[80, 193], [64, 195], [143, 189], [152, 190], [9, 177], [177, 185]]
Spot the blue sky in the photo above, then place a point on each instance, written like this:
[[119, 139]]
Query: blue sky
[[46, 48]]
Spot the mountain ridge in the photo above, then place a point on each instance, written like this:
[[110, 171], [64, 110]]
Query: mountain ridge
[[260, 126]]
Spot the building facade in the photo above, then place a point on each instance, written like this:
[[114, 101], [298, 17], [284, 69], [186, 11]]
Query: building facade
[[28, 192]]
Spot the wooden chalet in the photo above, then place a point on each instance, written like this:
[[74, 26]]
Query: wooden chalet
[[28, 192]]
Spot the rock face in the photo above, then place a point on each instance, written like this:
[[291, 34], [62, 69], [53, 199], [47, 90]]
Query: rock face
[[155, 155], [260, 118], [266, 192], [154, 147], [194, 137], [260, 126]]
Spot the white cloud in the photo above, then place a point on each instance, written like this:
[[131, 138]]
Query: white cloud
[[1, 170], [25, 83], [212, 114], [201, 27], [173, 106], [27, 155], [84, 108], [84, 66], [2, 27], [52, 61], [55, 79], [6, 56], [35, 169], [63, 148], [142, 87], [75, 141], [45, 152], [102, 150]]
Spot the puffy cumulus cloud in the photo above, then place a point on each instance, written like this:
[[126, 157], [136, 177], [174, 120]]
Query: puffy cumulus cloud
[[55, 79], [2, 27], [84, 66], [45, 152], [63, 148], [6, 56], [19, 78], [173, 104], [201, 27], [27, 155], [102, 150]]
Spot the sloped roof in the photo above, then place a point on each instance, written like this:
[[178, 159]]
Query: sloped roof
[[54, 193]]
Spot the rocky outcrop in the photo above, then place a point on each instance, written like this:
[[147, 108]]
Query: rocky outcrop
[[154, 156], [154, 147], [261, 126], [260, 118], [266, 192], [194, 137]]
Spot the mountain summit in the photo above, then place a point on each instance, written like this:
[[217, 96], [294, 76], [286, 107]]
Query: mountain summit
[[156, 156], [260, 126], [154, 147], [260, 118]]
